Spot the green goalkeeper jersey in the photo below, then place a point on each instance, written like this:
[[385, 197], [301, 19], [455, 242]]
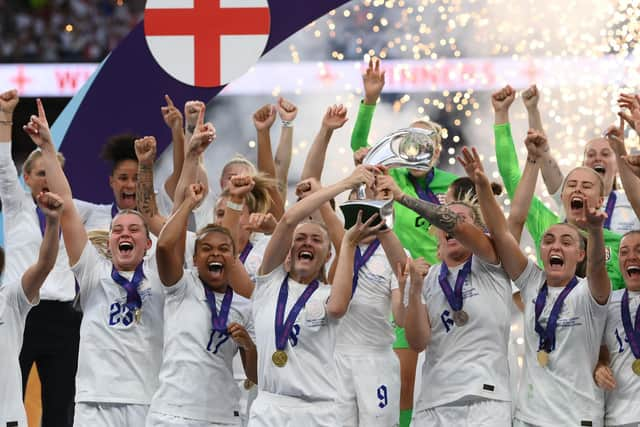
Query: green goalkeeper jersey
[[540, 217]]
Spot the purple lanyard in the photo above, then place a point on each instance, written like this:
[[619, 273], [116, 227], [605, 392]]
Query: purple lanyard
[[632, 331], [114, 210], [611, 204], [454, 296], [360, 260], [134, 301], [425, 193], [283, 328], [548, 335], [245, 252], [219, 321]]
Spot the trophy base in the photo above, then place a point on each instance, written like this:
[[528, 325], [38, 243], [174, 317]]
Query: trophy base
[[384, 209]]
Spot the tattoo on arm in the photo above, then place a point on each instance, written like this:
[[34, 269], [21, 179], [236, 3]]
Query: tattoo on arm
[[440, 216], [145, 196]]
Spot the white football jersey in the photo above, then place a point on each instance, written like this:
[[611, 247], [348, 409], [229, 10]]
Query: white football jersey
[[119, 358], [563, 392], [197, 359], [14, 307], [468, 361], [310, 372], [621, 404], [367, 322]]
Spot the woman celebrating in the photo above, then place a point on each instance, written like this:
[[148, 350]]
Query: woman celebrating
[[460, 315], [206, 325], [296, 317], [564, 316]]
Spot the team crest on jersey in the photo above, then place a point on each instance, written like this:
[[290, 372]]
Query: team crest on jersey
[[314, 313]]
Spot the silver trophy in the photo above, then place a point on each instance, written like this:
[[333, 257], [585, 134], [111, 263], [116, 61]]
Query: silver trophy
[[412, 148]]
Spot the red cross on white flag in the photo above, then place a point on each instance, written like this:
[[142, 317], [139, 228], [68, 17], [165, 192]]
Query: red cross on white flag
[[206, 42]]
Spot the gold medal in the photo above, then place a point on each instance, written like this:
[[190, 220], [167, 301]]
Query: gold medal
[[138, 315], [636, 367], [543, 358], [460, 317], [248, 384], [279, 358]]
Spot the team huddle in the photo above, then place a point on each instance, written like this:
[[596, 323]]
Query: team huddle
[[219, 307]]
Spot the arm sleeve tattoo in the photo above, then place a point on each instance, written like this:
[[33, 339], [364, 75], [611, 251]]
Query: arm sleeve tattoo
[[145, 196], [440, 216]]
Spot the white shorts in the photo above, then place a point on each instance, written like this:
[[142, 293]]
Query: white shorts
[[368, 388], [158, 419], [90, 414], [477, 413], [275, 410]]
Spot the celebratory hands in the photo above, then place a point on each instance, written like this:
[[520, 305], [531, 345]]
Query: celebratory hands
[[373, 82], [38, 129]]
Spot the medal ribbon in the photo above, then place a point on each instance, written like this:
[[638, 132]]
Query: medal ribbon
[[632, 331], [454, 296], [548, 335], [425, 193], [245, 252], [359, 260], [611, 204], [219, 321], [114, 210], [134, 301], [283, 327]]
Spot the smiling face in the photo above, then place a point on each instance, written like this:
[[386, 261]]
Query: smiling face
[[128, 241], [123, 183], [213, 257], [599, 156], [310, 250], [629, 258], [581, 184], [561, 251], [449, 249]]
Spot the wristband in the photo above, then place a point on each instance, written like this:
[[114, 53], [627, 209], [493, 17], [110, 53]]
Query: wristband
[[238, 207], [287, 123]]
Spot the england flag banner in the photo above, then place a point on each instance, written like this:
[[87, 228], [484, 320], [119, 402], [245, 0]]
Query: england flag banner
[[206, 43]]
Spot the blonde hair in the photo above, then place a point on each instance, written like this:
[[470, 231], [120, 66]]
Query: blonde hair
[[322, 275], [100, 239], [131, 212], [27, 166], [585, 168], [259, 199], [239, 159], [429, 125]]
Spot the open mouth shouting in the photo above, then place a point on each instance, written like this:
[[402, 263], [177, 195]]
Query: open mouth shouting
[[576, 202], [305, 255], [216, 269], [556, 262], [633, 271], [599, 167], [125, 248]]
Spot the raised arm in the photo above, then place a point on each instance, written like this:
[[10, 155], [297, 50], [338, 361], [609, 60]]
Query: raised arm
[[73, 231], [592, 220], [174, 120], [170, 247], [342, 285], [373, 83], [551, 173], [263, 120], [334, 118], [468, 234], [192, 171], [8, 102], [280, 242], [521, 202], [145, 194], [513, 260], [630, 181], [33, 278], [397, 258], [239, 187], [287, 112], [417, 324]]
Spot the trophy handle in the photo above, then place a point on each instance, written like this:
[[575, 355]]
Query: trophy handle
[[362, 192]]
